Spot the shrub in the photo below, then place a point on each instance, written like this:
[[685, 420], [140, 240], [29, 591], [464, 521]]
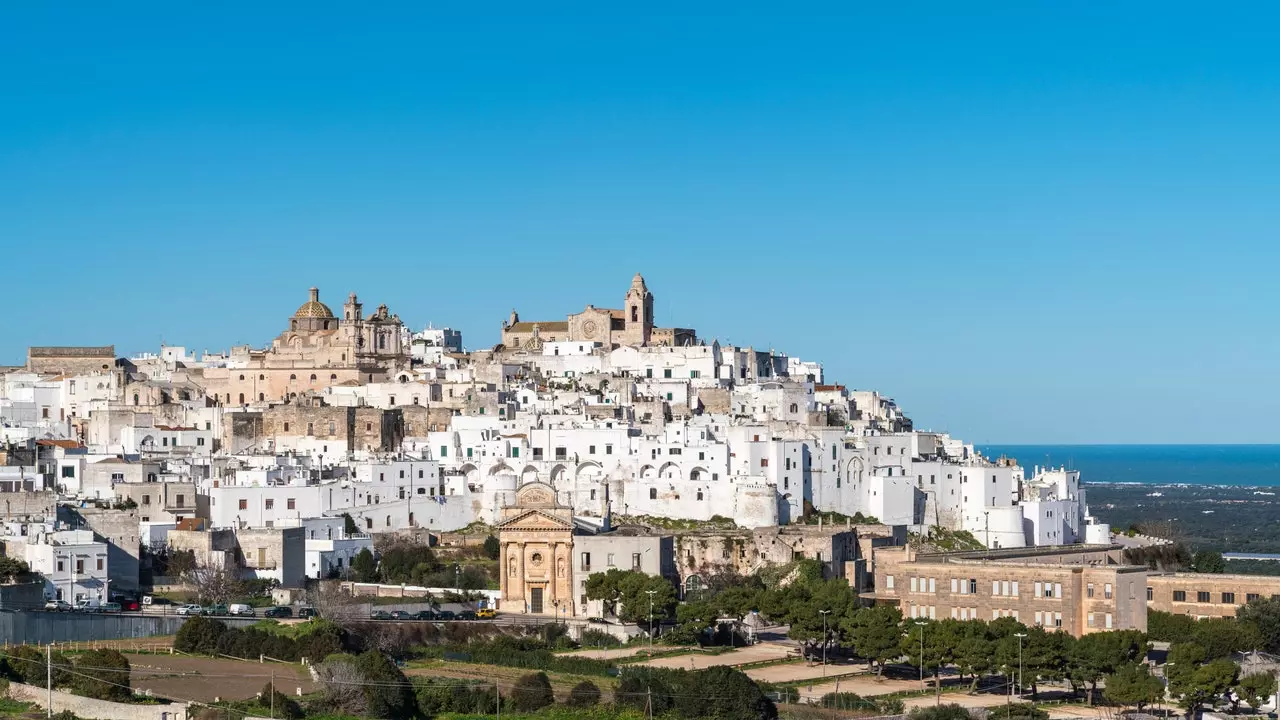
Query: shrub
[[102, 674], [532, 692], [279, 704], [451, 697], [949, 711], [26, 664], [584, 694], [1017, 711], [387, 691], [199, 635], [598, 638]]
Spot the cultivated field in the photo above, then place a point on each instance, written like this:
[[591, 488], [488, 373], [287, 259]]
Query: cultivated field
[[203, 679]]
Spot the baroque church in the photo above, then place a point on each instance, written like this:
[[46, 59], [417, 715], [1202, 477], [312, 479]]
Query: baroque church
[[633, 325], [317, 350]]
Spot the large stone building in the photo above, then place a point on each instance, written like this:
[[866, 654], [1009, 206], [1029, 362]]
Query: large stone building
[[633, 325], [316, 351], [536, 540]]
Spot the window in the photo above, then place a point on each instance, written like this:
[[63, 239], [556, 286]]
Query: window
[[68, 471], [59, 566], [79, 566], [591, 449], [1088, 591], [608, 449], [311, 429], [146, 499], [100, 563], [368, 523], [270, 504], [1106, 591], [200, 441], [179, 501], [1108, 621], [468, 452], [586, 561], [1179, 595], [1057, 619], [1229, 598], [653, 493], [561, 453], [1250, 597], [764, 462], [1090, 620], [888, 582], [1202, 596], [973, 586], [286, 427], [444, 451], [244, 504], [291, 504], [1150, 595]]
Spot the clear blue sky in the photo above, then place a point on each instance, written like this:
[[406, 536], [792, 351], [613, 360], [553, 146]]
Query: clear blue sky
[[1026, 221]]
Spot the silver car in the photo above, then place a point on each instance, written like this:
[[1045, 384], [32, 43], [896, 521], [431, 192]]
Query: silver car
[[190, 609]]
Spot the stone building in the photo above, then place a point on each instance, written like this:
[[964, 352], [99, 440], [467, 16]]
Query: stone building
[[1203, 595], [320, 429], [317, 350], [536, 540], [633, 325], [71, 360]]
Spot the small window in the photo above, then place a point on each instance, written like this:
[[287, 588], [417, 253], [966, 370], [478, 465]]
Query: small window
[[653, 493], [1088, 591], [1106, 591], [1150, 595], [1250, 597], [1179, 595], [244, 504], [270, 504], [1229, 598], [291, 504], [1202, 596]]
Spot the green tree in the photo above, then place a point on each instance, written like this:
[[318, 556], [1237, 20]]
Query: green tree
[[387, 692], [1220, 637], [102, 674], [1097, 655], [408, 563], [644, 687], [927, 645], [1044, 656], [1133, 684], [492, 547], [973, 650], [12, 569], [1168, 627], [876, 633], [723, 693], [950, 711], [1263, 614], [1195, 682], [27, 663], [1208, 561], [364, 566], [1256, 689], [626, 593], [199, 634], [277, 704], [532, 692], [349, 527], [584, 694]]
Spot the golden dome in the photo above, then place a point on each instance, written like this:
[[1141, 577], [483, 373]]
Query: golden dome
[[313, 308]]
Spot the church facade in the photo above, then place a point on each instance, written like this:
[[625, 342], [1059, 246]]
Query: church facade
[[317, 350], [632, 325], [536, 541]]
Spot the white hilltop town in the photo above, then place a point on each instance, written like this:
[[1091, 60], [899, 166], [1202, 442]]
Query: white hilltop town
[[635, 445]]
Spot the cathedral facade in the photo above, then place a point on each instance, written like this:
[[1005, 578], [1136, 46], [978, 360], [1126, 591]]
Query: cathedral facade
[[632, 325]]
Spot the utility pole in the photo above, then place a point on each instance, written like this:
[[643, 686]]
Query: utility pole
[[650, 593], [497, 700], [48, 669], [921, 625], [1019, 636], [273, 692]]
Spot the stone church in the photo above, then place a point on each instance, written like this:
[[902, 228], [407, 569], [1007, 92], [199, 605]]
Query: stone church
[[536, 540], [633, 325], [317, 350]]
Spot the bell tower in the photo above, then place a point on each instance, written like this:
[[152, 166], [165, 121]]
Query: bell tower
[[638, 309]]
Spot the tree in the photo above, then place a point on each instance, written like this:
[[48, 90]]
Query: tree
[[387, 692], [1256, 689], [1097, 655], [365, 566], [28, 664], [1208, 561], [278, 704], [626, 592], [1263, 614], [974, 651], [721, 692], [492, 547], [584, 694], [343, 684], [212, 583], [1133, 684], [349, 526], [1168, 627], [199, 634], [407, 563], [12, 569], [950, 711], [102, 674], [177, 563], [930, 653], [1220, 637], [875, 633], [1044, 656], [532, 692], [1194, 682]]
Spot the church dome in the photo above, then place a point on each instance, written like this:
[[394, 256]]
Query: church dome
[[313, 308]]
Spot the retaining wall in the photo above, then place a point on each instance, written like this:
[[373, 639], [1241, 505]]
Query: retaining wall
[[96, 709], [42, 628]]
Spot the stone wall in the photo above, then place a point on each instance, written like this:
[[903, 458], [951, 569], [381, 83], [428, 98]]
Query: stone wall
[[71, 360], [84, 707], [34, 504], [120, 529]]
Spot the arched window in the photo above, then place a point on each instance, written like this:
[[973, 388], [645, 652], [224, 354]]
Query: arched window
[[334, 376], [326, 324], [241, 378], [313, 377], [241, 398], [795, 408], [262, 377], [135, 398], [293, 377], [261, 397]]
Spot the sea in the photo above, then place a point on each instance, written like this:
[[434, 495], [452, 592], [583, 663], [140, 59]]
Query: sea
[[1236, 465]]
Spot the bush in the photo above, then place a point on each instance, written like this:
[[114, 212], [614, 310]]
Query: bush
[[949, 711], [584, 694], [450, 697], [26, 664], [598, 638], [199, 635], [278, 704], [102, 674], [1017, 711], [532, 692], [387, 691]]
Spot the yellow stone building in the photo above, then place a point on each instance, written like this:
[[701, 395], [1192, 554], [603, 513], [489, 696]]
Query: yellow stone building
[[536, 538]]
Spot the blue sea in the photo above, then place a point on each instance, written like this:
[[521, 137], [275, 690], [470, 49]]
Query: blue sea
[[1241, 465]]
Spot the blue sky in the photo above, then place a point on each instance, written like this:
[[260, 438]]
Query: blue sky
[[1027, 222]]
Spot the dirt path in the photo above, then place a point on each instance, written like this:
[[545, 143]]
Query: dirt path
[[203, 679]]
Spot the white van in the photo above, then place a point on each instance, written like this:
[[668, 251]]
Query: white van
[[241, 610]]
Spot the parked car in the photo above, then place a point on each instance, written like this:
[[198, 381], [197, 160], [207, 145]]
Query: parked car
[[306, 613], [87, 605], [379, 615], [190, 609], [130, 605], [486, 614], [467, 615], [218, 610], [277, 612], [400, 615], [57, 606], [109, 607], [241, 610], [424, 615], [446, 615]]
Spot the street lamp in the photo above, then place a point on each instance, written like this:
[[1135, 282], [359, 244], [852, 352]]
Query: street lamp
[[650, 594], [1019, 636], [921, 654], [825, 613]]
